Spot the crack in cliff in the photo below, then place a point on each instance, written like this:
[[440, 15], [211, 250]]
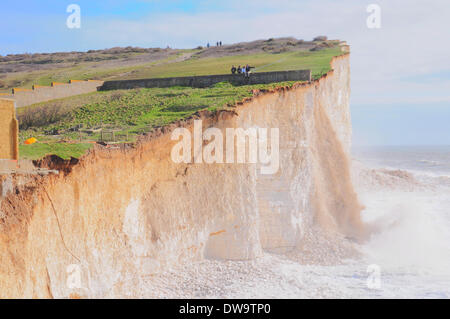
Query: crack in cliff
[[59, 226]]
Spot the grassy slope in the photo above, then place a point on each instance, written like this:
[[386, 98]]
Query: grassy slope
[[318, 62], [86, 71], [63, 150], [82, 71], [130, 112], [133, 112]]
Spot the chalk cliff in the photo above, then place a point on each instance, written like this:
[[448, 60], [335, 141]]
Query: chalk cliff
[[120, 215]]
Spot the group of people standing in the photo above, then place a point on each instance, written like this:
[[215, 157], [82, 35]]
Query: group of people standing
[[218, 44], [242, 70]]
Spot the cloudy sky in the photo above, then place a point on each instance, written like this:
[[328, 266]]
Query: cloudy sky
[[400, 71]]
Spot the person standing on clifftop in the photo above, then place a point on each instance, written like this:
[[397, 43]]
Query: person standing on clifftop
[[239, 70], [233, 69], [248, 69]]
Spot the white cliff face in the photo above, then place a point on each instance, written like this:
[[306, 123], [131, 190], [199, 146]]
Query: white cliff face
[[312, 186], [125, 215]]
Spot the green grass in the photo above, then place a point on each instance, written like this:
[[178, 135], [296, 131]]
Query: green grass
[[81, 71], [63, 150], [130, 112], [317, 61]]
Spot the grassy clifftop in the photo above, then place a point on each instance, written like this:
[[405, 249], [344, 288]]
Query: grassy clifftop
[[67, 127], [23, 70], [127, 113], [317, 61]]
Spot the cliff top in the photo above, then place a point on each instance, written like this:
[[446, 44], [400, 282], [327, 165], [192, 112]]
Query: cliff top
[[24, 70], [68, 127]]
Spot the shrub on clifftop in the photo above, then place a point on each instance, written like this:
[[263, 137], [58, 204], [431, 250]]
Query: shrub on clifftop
[[320, 38]]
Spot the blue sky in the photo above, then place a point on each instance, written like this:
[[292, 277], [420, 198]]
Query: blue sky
[[400, 72]]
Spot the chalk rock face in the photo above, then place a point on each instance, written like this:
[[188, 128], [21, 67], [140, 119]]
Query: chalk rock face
[[119, 216], [312, 186]]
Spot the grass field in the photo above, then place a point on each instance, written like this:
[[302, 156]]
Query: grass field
[[128, 113], [318, 62], [82, 70], [67, 127], [126, 63], [63, 150]]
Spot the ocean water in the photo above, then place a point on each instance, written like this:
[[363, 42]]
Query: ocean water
[[406, 195], [418, 159]]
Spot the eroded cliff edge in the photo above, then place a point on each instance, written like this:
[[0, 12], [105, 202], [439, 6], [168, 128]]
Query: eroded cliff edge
[[124, 214]]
